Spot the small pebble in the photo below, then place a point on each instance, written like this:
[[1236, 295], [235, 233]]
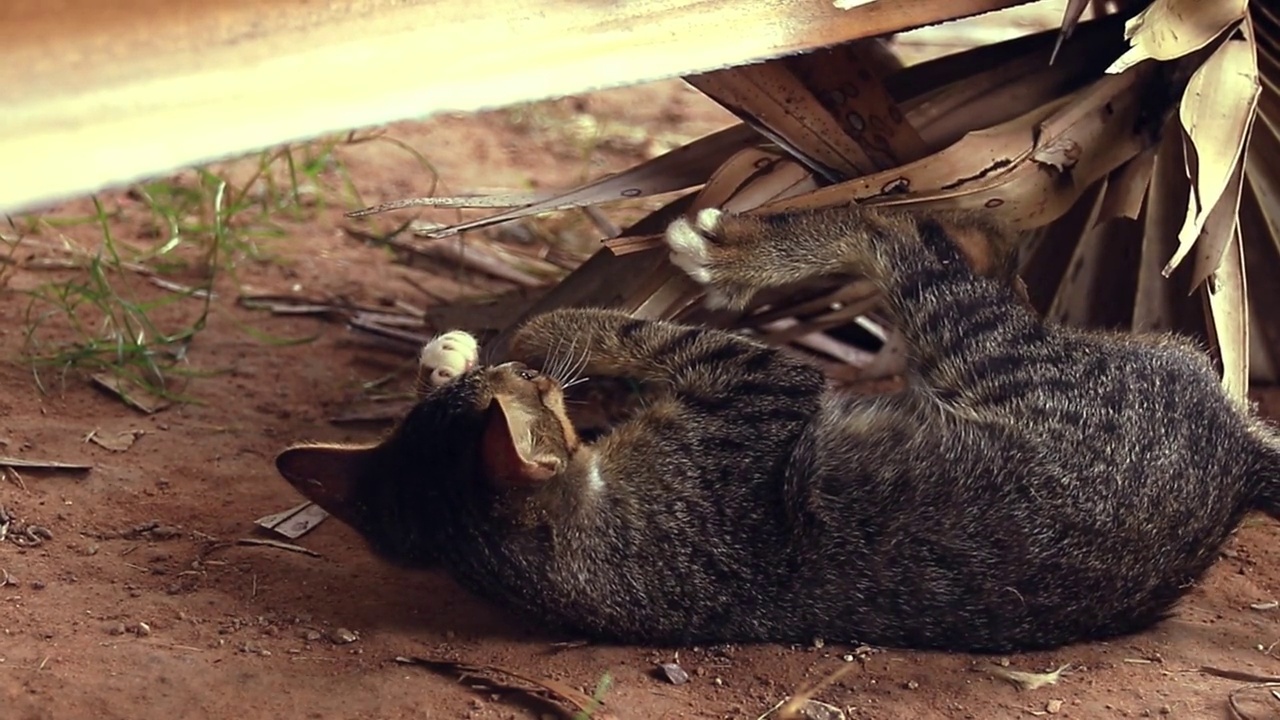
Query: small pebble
[[309, 635], [342, 636], [911, 684], [674, 673], [37, 585], [114, 628], [141, 629]]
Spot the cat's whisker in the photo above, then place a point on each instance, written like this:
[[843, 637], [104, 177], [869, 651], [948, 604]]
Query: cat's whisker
[[564, 363], [579, 366], [485, 358], [555, 360], [575, 381]]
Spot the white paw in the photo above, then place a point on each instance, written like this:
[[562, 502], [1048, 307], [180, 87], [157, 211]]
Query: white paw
[[688, 243], [449, 356]]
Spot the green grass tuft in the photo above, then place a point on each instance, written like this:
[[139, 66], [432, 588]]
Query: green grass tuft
[[201, 223]]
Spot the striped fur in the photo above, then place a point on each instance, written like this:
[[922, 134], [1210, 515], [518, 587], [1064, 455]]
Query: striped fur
[[1031, 486]]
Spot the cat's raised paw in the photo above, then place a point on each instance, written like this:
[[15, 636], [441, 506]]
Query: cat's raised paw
[[447, 357], [691, 247], [688, 242]]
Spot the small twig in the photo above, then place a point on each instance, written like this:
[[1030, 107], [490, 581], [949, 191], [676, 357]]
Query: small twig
[[11, 462], [361, 323], [181, 289], [545, 688], [278, 545], [171, 645], [602, 222], [417, 285], [508, 200], [1234, 703], [472, 257], [1240, 675], [15, 477], [792, 708]]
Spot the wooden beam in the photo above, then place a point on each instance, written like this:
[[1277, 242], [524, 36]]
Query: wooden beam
[[98, 94]]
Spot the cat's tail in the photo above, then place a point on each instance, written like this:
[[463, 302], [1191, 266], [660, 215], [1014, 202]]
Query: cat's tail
[[1268, 473]]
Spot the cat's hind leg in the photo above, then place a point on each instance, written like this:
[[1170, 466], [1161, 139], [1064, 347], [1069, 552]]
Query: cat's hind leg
[[446, 358]]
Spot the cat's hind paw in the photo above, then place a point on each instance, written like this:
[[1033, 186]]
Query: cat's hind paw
[[447, 357]]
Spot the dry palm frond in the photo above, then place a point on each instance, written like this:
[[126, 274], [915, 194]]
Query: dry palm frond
[[1133, 158]]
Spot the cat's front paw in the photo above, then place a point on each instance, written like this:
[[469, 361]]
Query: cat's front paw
[[447, 357], [689, 243], [705, 253]]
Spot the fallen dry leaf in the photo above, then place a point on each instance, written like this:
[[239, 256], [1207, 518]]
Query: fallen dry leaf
[[130, 393], [1169, 29], [771, 98], [1028, 681], [115, 441], [1229, 315], [684, 167], [1217, 113], [294, 522]]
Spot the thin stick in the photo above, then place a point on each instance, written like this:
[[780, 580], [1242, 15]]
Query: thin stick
[[278, 545], [11, 462]]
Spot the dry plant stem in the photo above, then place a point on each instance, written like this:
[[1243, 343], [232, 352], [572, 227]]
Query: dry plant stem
[[1233, 699], [361, 323], [278, 545], [10, 462], [471, 256], [792, 708]]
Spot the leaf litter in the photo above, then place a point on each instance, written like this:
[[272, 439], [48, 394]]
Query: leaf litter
[[492, 677]]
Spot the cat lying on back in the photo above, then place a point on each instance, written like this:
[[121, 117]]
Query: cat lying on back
[[1032, 486]]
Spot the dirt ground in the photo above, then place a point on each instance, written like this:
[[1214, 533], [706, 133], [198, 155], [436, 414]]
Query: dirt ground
[[134, 610]]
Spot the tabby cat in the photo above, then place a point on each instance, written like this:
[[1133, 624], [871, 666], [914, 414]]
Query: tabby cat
[[1031, 486]]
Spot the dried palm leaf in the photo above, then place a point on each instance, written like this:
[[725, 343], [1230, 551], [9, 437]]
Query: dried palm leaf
[[1134, 149]]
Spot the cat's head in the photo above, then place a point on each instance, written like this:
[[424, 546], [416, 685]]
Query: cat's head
[[493, 433]]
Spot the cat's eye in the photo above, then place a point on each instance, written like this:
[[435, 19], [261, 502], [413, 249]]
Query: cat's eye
[[527, 373]]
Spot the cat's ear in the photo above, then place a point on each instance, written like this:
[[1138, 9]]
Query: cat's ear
[[328, 475], [504, 461]]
